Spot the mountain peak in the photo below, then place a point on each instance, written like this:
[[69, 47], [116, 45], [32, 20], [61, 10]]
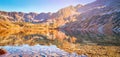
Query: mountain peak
[[78, 6]]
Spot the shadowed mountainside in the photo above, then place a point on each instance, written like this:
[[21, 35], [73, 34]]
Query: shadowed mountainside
[[100, 16]]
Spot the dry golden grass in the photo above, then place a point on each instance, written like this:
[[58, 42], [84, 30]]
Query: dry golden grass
[[92, 51]]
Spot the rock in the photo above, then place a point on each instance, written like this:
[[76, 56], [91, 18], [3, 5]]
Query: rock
[[2, 51]]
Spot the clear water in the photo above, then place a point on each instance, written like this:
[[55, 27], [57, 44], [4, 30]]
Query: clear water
[[46, 43]]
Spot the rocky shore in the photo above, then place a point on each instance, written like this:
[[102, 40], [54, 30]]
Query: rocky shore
[[37, 51]]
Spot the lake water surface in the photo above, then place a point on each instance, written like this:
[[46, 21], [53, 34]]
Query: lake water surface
[[51, 42]]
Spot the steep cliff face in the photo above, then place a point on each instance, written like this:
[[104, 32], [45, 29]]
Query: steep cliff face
[[100, 16]]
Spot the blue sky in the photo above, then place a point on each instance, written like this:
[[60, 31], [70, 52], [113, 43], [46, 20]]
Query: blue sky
[[38, 5]]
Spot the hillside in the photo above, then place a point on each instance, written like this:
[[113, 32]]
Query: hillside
[[100, 16]]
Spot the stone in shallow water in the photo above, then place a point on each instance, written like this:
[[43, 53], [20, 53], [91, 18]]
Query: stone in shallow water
[[2, 52], [37, 51]]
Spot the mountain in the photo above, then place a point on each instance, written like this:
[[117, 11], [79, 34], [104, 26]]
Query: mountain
[[61, 17], [32, 17], [25, 17], [100, 16]]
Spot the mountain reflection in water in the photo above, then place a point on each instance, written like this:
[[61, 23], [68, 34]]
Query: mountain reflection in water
[[30, 37], [12, 42], [65, 40], [94, 38]]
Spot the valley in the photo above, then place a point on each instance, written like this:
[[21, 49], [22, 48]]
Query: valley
[[92, 30]]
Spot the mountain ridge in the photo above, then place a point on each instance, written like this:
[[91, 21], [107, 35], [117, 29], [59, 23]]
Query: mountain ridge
[[96, 14]]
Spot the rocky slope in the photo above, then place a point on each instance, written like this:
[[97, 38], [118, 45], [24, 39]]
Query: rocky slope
[[100, 16], [58, 17], [25, 17]]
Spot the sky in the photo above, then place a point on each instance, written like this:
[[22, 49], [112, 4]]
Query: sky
[[38, 5]]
